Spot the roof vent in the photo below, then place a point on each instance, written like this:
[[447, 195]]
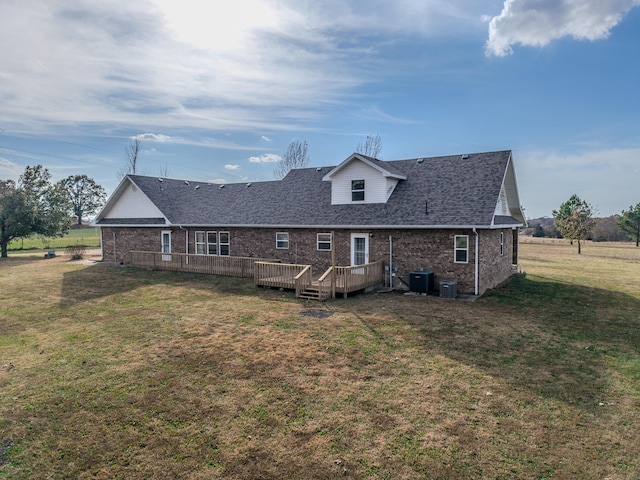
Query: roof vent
[[420, 160], [196, 187], [248, 185], [465, 156], [186, 183], [222, 186], [160, 180], [318, 169]]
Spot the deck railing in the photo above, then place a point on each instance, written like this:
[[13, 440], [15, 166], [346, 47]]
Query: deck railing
[[278, 275], [358, 277], [242, 267], [303, 280]]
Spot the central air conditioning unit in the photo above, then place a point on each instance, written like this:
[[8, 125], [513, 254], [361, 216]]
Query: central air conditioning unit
[[448, 289], [421, 281]]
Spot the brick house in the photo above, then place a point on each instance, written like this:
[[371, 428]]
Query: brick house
[[457, 216]]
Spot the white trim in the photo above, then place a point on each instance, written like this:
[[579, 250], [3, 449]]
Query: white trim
[[366, 248], [282, 241], [385, 173], [330, 242], [456, 249]]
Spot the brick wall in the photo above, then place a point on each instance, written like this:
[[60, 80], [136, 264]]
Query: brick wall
[[432, 250]]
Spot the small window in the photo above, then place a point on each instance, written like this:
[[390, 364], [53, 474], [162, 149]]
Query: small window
[[357, 190], [282, 241], [201, 244], [501, 244], [224, 243], [212, 243], [461, 249], [324, 241]]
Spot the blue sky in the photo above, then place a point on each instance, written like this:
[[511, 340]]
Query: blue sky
[[218, 90]]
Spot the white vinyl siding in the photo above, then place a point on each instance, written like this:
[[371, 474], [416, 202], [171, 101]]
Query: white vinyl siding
[[133, 204], [375, 184]]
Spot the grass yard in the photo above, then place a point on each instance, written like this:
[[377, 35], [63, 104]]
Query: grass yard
[[110, 373], [89, 236]]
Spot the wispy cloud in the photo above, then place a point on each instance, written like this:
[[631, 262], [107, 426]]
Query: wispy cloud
[[232, 167], [154, 137], [185, 66], [535, 23], [265, 138], [266, 158], [9, 170]]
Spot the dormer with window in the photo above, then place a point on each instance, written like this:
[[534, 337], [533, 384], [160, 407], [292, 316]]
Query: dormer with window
[[361, 179]]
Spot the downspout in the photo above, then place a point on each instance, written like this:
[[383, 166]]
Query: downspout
[[477, 260], [115, 256]]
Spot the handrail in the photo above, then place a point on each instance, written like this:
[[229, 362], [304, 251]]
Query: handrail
[[298, 279]]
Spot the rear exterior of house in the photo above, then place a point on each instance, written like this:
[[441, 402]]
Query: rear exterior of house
[[456, 216]]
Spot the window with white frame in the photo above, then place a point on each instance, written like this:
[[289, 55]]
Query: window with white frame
[[224, 243], [282, 240], [324, 241], [501, 244], [212, 243], [201, 243], [461, 249], [357, 190]]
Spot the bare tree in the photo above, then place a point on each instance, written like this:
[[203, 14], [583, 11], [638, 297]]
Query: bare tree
[[132, 153], [296, 156], [164, 170], [371, 146]]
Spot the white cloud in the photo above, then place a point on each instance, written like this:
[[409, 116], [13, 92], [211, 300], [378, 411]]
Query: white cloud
[[154, 137], [537, 23], [166, 65], [266, 158], [265, 138], [232, 167]]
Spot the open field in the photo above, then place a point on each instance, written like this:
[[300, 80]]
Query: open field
[[89, 236], [109, 373]]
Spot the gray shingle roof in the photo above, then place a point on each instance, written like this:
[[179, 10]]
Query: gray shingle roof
[[440, 191]]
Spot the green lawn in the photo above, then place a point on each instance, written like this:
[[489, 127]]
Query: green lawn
[[108, 372], [89, 236]]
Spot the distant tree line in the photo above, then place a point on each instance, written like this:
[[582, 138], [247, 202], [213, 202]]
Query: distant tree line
[[622, 227]]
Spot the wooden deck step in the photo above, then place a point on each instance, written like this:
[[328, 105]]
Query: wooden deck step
[[313, 292]]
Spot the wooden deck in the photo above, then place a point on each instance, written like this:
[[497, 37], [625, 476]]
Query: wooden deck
[[266, 273], [242, 267], [335, 280]]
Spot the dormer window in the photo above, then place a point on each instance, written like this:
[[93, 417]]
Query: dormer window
[[357, 190]]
